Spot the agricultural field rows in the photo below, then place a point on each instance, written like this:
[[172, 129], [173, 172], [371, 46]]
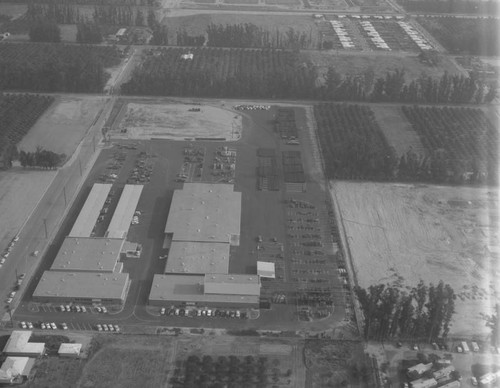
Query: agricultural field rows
[[48, 67], [463, 141]]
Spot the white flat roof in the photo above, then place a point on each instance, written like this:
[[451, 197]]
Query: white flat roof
[[85, 285], [87, 218], [122, 217], [69, 349], [232, 284], [13, 367], [18, 343], [198, 257], [204, 212], [88, 254], [266, 269], [189, 288]]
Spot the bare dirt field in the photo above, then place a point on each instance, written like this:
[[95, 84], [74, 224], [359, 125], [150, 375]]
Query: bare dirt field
[[64, 125], [399, 234], [356, 63], [12, 9], [20, 191], [177, 122], [397, 129]]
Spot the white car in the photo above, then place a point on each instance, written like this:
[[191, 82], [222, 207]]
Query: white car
[[68, 308], [42, 326], [15, 239], [99, 327], [30, 325], [117, 328], [5, 255], [23, 325], [98, 309], [2, 260], [64, 326], [162, 311], [84, 310], [104, 309], [111, 327], [12, 294], [78, 309], [62, 308], [53, 326], [105, 327]]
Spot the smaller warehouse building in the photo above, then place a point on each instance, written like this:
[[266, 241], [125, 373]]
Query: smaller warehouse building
[[69, 350], [18, 345], [208, 290], [124, 212], [15, 370], [87, 217], [266, 269], [82, 287], [88, 255]]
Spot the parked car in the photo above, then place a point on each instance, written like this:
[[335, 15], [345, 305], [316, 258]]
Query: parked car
[[12, 294], [84, 310], [104, 309], [23, 325], [64, 326], [162, 311], [62, 308], [98, 327], [30, 325]]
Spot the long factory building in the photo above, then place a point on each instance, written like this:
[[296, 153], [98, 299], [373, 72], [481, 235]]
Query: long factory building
[[87, 269], [203, 224]]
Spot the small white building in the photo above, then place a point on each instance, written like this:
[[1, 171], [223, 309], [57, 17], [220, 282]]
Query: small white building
[[18, 345], [69, 350]]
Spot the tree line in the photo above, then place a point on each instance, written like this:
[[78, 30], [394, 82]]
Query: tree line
[[249, 35], [452, 6], [424, 313], [41, 158]]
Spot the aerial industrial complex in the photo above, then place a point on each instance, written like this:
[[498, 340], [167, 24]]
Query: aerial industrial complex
[[87, 268], [202, 227]]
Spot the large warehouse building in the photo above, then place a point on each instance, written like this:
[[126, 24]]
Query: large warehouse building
[[202, 225], [203, 212], [87, 269], [82, 287]]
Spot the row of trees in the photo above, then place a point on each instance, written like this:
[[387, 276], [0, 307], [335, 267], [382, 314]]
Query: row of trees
[[88, 33], [43, 30], [150, 3], [49, 67], [250, 35], [41, 158], [456, 89], [424, 313]]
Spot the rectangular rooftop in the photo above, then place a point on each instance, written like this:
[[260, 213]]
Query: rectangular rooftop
[[87, 217], [124, 212]]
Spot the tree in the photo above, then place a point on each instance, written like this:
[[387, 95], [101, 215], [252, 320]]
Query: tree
[[44, 30], [494, 324]]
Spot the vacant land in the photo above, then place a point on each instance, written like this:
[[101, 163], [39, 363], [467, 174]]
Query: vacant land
[[20, 191], [178, 122], [397, 129], [12, 9], [399, 234], [63, 126]]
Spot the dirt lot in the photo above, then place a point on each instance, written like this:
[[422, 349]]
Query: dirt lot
[[357, 63], [20, 191], [397, 129], [63, 126], [177, 122], [12, 9], [149, 361], [403, 233]]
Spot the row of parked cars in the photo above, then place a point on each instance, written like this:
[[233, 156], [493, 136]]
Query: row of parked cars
[[107, 327], [6, 251], [44, 325], [81, 309], [180, 312]]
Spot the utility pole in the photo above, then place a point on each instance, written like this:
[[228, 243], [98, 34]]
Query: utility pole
[[45, 225], [64, 194]]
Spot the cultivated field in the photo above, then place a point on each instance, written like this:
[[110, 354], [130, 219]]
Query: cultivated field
[[400, 234], [20, 191], [178, 122], [63, 126], [357, 63]]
